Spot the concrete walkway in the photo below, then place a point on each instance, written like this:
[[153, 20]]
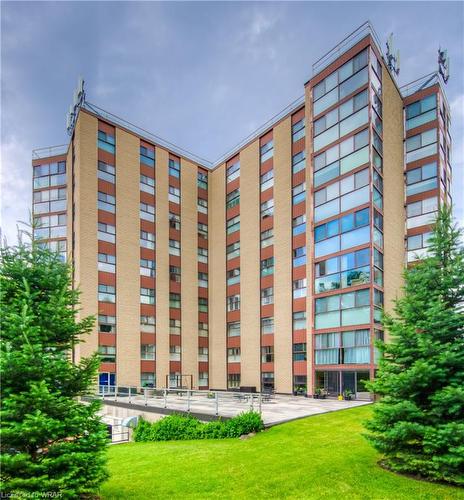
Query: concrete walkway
[[277, 410]]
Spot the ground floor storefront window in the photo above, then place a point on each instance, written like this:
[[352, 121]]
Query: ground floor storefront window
[[335, 382]]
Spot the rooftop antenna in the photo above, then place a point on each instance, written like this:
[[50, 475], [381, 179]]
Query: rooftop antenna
[[444, 64], [393, 59], [78, 102]]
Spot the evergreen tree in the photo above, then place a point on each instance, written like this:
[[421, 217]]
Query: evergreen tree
[[418, 424], [50, 442]]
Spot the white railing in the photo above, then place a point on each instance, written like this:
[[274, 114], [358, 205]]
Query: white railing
[[50, 151], [185, 400]]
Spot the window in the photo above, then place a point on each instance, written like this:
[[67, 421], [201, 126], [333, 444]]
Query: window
[[202, 180], [422, 212], [299, 225], [299, 256], [233, 380], [341, 121], [174, 221], [267, 151], [233, 276], [417, 246], [174, 326], [233, 355], [267, 180], [202, 305], [299, 352], [202, 354], [267, 354], [233, 224], [147, 268], [299, 288], [147, 156], [421, 145], [174, 247], [299, 320], [267, 325], [106, 142], [299, 193], [421, 179], [50, 226], [267, 380], [174, 352], [147, 212], [106, 172], [343, 310], [298, 130], [147, 379], [267, 296], [147, 184], [233, 171], [174, 167], [174, 300], [298, 162], [203, 379], [350, 347], [147, 351], [203, 280], [106, 263], [342, 195], [203, 255], [341, 83], [267, 266], [147, 324], [107, 353], [342, 158], [49, 174], [202, 329], [202, 205], [233, 303], [106, 202], [331, 237], [347, 270], [267, 238], [233, 198], [106, 293], [202, 231], [421, 112], [233, 329], [147, 295], [267, 208], [174, 194], [233, 250], [147, 240], [106, 324], [51, 200]]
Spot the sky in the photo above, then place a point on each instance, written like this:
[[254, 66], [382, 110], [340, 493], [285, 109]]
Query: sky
[[201, 75]]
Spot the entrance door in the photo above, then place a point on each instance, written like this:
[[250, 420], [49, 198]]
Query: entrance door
[[106, 382], [349, 382]]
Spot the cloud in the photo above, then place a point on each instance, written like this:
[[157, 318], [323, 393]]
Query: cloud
[[16, 187]]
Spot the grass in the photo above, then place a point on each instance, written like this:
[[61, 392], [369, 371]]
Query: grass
[[324, 456]]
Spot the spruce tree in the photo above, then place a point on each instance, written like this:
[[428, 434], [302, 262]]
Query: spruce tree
[[418, 424], [50, 442]]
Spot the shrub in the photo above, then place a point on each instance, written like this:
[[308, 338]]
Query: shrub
[[182, 427]]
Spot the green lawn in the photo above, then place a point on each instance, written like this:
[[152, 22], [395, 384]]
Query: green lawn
[[323, 456]]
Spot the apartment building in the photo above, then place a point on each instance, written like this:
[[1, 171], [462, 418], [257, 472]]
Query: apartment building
[[270, 268]]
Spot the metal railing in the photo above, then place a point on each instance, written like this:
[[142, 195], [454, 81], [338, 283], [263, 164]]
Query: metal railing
[[350, 41], [215, 403], [50, 151]]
